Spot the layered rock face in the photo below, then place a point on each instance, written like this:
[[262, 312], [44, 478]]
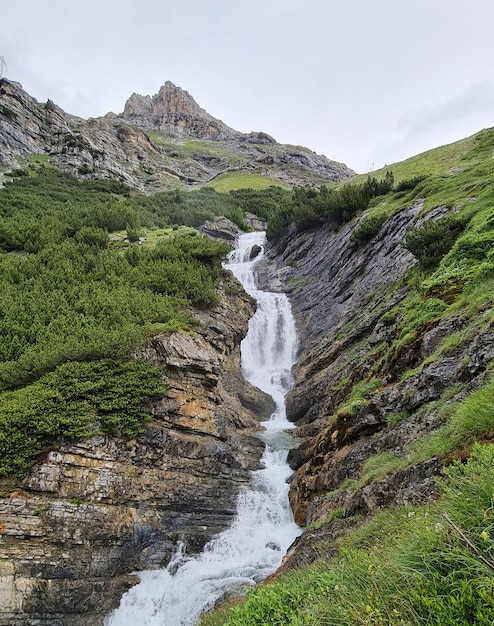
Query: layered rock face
[[176, 113], [27, 127], [90, 513], [342, 297], [159, 142]]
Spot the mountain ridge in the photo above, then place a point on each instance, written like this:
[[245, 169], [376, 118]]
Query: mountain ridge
[[157, 143]]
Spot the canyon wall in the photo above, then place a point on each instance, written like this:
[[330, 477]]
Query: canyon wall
[[346, 300], [91, 512]]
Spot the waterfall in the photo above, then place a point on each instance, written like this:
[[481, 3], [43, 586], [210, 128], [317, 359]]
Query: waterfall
[[263, 528]]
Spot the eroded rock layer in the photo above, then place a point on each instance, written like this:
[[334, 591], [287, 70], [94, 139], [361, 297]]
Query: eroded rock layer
[[344, 299], [90, 513]]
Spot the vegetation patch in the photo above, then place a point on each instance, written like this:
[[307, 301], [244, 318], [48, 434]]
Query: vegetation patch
[[429, 565], [367, 229], [74, 305], [310, 208], [242, 180], [74, 401], [432, 241]]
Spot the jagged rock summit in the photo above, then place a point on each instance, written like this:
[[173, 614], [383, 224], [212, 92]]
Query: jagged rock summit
[[175, 112], [159, 142]]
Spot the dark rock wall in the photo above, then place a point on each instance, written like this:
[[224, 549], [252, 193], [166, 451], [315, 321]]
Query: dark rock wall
[[339, 294]]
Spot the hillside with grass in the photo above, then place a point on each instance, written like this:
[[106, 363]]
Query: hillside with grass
[[122, 411], [391, 278]]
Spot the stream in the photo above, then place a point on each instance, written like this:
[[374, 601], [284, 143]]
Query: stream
[[263, 529]]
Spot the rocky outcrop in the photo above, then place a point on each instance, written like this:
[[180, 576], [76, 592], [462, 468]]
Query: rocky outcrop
[[346, 299], [159, 142], [220, 228], [176, 113], [91, 512], [27, 127]]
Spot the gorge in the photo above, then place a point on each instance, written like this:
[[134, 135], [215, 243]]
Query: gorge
[[392, 384], [263, 528]]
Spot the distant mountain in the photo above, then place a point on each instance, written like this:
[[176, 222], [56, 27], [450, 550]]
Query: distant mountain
[[158, 142]]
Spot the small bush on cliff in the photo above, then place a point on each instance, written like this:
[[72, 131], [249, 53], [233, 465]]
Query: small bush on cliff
[[432, 241], [367, 229], [409, 183]]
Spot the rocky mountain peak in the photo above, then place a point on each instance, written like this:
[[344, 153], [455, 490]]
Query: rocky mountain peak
[[176, 100], [175, 112], [147, 145]]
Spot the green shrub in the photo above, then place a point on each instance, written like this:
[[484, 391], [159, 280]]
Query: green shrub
[[308, 208], [74, 401], [409, 183], [430, 242], [92, 236], [367, 229]]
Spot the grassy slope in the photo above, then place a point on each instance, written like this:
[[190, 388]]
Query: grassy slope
[[433, 564], [241, 180]]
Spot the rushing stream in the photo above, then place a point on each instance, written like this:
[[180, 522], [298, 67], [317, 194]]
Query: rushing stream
[[263, 527]]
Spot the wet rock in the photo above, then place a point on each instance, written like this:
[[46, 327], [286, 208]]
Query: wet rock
[[254, 252], [91, 512]]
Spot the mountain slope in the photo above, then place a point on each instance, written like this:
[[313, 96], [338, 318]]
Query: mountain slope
[[160, 142], [393, 384]]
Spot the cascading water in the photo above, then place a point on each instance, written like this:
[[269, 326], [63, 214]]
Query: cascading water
[[263, 527]]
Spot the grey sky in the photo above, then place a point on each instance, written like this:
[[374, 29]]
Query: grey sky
[[366, 82]]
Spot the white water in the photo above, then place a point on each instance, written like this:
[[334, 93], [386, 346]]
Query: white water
[[263, 528]]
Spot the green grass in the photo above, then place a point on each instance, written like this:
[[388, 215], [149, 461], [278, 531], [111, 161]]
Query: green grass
[[242, 180], [149, 237], [358, 396], [168, 142], [38, 159], [377, 466], [217, 149], [195, 149], [430, 565], [441, 161]]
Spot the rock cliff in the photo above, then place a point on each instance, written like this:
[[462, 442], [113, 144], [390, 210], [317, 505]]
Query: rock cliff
[[351, 401], [90, 513], [174, 112], [159, 142]]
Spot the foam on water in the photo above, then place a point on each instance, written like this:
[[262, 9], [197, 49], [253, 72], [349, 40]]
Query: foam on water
[[263, 527]]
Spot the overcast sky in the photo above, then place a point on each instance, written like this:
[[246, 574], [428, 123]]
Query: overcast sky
[[365, 82]]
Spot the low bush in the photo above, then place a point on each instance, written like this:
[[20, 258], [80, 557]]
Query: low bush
[[430, 242], [74, 401], [367, 229]]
